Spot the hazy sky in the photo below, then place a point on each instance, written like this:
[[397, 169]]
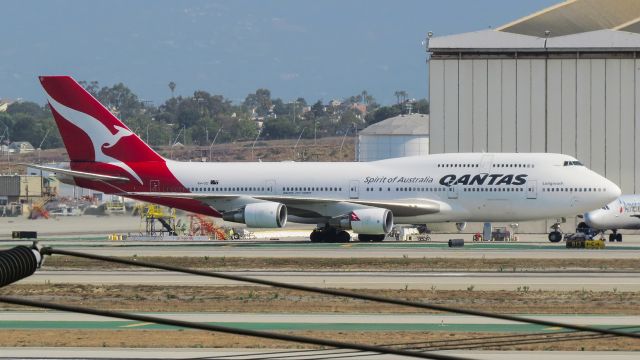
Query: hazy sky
[[320, 49]]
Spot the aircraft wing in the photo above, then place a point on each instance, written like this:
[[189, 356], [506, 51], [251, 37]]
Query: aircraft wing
[[78, 174], [411, 207]]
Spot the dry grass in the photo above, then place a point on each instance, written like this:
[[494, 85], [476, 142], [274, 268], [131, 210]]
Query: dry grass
[[199, 339], [268, 300]]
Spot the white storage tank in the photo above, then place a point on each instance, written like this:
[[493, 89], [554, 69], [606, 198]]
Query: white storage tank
[[403, 135]]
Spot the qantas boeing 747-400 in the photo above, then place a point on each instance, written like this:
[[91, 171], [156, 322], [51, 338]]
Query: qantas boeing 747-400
[[366, 197]]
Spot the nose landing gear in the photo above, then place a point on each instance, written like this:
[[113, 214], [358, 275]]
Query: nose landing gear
[[556, 234]]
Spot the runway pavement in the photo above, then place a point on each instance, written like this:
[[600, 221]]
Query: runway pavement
[[593, 281], [123, 353], [329, 318], [311, 322], [282, 249]]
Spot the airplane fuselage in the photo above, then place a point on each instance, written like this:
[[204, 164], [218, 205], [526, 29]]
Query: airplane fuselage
[[467, 187]]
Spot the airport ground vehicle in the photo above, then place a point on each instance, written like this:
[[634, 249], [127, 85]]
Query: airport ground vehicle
[[366, 197]]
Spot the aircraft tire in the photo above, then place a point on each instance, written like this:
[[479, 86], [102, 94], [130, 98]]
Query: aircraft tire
[[619, 237], [371, 238], [317, 236], [378, 238], [555, 236], [342, 237], [612, 237]]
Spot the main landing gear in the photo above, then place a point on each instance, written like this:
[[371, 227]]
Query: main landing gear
[[371, 238], [329, 235], [615, 236]]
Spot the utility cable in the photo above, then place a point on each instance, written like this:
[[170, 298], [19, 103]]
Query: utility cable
[[341, 293]]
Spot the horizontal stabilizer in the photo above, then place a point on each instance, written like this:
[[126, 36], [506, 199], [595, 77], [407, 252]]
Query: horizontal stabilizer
[[78, 174]]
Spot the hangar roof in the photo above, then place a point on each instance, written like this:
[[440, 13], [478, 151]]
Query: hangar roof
[[488, 40], [576, 16], [609, 39], [413, 124], [573, 25]]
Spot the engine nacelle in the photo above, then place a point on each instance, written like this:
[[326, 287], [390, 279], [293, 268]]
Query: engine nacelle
[[461, 226], [259, 215], [371, 221]]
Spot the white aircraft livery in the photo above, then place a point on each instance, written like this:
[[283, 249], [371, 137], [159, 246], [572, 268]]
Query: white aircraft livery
[[621, 214], [366, 197]]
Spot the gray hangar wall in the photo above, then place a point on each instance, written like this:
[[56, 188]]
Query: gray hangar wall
[[584, 107]]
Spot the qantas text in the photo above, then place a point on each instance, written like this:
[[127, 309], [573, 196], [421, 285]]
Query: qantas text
[[484, 179]]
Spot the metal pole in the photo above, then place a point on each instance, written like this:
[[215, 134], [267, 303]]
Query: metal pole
[[254, 143], [296, 145], [213, 142]]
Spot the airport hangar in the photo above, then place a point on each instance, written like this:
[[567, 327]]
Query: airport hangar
[[563, 80]]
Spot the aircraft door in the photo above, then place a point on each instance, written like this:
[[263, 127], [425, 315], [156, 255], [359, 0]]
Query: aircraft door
[[532, 189], [354, 192], [154, 185], [270, 187], [452, 192], [485, 163]]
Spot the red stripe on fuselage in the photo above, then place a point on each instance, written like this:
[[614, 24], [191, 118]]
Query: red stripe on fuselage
[[156, 176]]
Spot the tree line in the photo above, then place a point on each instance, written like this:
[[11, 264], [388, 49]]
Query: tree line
[[201, 118]]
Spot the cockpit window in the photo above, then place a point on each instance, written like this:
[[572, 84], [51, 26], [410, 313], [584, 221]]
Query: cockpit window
[[573, 163], [606, 207]]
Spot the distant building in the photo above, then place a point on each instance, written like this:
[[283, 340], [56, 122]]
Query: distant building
[[335, 103], [362, 108], [21, 147], [403, 135], [4, 104]]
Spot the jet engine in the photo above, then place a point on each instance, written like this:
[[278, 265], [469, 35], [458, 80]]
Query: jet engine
[[461, 226], [366, 221], [259, 215]]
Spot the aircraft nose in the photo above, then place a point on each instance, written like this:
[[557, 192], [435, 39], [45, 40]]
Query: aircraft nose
[[597, 219], [614, 190], [589, 219]]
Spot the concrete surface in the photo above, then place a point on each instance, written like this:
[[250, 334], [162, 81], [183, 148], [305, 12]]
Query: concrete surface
[[361, 280], [124, 353], [330, 318]]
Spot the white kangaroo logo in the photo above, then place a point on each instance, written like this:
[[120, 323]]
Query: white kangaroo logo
[[98, 133]]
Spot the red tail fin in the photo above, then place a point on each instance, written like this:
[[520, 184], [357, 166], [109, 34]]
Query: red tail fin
[[89, 130]]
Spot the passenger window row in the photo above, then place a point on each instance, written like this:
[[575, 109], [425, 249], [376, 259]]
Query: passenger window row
[[458, 165], [319, 188], [232, 189], [559, 189], [494, 189], [423, 189], [513, 165]]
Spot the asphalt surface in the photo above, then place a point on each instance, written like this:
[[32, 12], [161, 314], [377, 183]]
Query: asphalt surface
[[293, 249], [118, 353], [226, 317], [594, 281]]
